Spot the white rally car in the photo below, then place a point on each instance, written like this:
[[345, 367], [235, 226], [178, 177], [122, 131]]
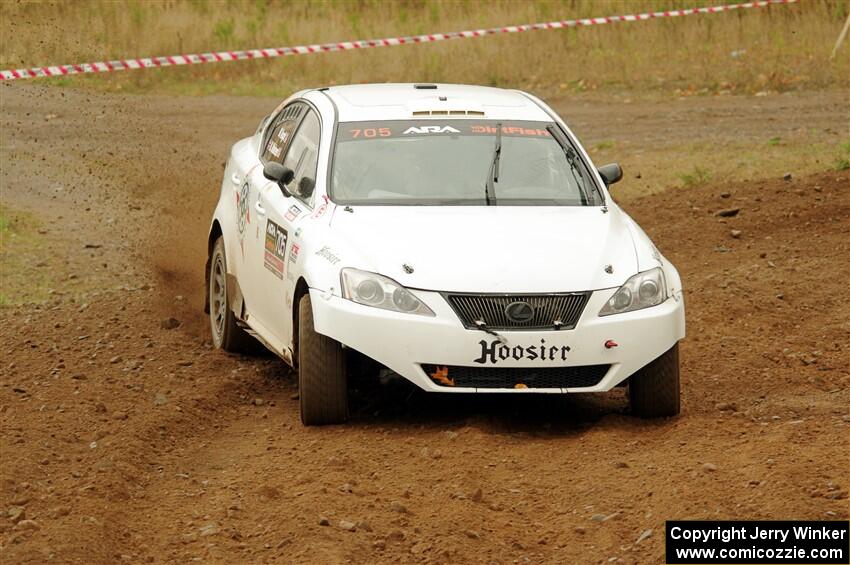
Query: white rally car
[[457, 236]]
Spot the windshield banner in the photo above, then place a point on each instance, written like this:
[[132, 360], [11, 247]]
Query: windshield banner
[[362, 131]]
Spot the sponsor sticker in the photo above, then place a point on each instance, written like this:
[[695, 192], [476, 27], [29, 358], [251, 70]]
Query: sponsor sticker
[[293, 212], [495, 351], [430, 129], [328, 254], [243, 215], [275, 249], [321, 209], [656, 254], [293, 252], [511, 130]]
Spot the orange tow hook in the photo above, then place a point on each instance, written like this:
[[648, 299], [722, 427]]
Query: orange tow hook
[[610, 343]]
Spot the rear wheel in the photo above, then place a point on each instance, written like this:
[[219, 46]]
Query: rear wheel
[[322, 383], [654, 390], [226, 333]]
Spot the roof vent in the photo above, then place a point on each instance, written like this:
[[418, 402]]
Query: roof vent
[[425, 86], [419, 113]]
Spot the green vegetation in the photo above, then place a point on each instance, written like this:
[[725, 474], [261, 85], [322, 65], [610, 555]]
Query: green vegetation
[[223, 31], [38, 262], [687, 165], [698, 176], [25, 256], [18, 238], [747, 51], [4, 234], [4, 227], [842, 162]]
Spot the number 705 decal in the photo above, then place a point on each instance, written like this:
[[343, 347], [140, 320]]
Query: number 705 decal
[[371, 132]]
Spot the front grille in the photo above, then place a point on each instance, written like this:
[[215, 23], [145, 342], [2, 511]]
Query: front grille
[[550, 311], [498, 377]]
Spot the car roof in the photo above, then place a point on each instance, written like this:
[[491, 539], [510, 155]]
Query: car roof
[[372, 102]]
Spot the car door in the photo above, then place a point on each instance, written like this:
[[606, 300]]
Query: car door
[[237, 175], [279, 213]]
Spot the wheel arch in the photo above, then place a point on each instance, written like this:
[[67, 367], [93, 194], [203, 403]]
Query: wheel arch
[[215, 233], [301, 288]]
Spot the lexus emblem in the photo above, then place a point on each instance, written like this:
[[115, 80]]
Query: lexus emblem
[[519, 312]]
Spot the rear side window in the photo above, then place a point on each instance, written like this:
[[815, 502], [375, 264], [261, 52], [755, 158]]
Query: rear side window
[[279, 134]]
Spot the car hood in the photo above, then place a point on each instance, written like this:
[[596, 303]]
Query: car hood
[[511, 249]]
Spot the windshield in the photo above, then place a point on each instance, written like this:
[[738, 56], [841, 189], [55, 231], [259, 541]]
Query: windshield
[[430, 162]]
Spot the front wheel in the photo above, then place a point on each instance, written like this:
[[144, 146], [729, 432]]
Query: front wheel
[[322, 383], [654, 389]]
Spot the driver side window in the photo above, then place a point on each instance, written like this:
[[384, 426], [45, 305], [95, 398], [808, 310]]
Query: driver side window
[[279, 133], [302, 156]]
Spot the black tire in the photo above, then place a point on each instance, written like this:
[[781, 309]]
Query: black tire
[[226, 333], [654, 389], [322, 382]]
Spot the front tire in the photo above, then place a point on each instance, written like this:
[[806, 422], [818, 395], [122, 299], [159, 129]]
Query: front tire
[[322, 382], [654, 390], [226, 333]]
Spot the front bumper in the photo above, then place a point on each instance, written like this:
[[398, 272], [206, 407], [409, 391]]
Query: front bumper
[[405, 342]]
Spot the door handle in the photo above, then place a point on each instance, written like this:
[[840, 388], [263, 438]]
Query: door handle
[[235, 179], [259, 208]]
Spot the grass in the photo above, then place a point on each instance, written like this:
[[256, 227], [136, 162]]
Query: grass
[[842, 162], [697, 177], [747, 51], [5, 225], [28, 259], [18, 237], [664, 167]]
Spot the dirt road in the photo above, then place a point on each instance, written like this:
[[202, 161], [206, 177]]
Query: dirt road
[[125, 440]]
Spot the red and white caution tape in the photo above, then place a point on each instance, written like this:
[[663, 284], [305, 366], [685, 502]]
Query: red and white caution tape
[[177, 60]]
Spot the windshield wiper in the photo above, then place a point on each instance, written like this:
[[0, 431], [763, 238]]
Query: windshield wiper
[[572, 159], [493, 173]]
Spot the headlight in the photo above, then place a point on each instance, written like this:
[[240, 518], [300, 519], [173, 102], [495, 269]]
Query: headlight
[[640, 291], [375, 290]]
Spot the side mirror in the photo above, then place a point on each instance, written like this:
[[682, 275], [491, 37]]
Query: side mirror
[[278, 173], [611, 173], [306, 186]]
